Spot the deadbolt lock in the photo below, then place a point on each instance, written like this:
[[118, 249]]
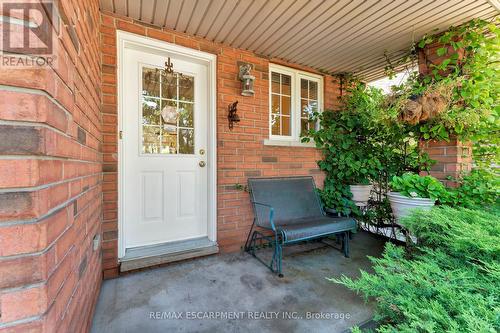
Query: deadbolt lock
[[202, 151], [202, 164]]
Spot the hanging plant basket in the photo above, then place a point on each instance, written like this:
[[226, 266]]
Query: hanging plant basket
[[419, 109]]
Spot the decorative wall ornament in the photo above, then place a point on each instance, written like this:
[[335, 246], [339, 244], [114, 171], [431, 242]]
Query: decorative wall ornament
[[246, 80], [169, 66], [232, 117]]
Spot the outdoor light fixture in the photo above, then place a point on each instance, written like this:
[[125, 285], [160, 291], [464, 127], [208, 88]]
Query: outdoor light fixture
[[246, 80]]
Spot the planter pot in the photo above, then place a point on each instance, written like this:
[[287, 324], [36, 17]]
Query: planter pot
[[402, 205], [360, 194]]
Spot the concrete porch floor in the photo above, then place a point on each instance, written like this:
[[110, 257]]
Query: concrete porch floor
[[236, 284]]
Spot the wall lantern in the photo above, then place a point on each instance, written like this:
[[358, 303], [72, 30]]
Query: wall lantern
[[246, 80]]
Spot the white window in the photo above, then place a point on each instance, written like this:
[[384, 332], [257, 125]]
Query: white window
[[293, 98]]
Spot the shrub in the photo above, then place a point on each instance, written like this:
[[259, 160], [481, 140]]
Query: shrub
[[479, 189], [459, 232], [448, 282]]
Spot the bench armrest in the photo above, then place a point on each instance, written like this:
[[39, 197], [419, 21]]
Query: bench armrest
[[271, 212]]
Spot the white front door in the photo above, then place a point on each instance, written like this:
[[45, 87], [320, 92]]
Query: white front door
[[165, 128]]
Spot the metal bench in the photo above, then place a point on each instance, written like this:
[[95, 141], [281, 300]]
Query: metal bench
[[291, 210]]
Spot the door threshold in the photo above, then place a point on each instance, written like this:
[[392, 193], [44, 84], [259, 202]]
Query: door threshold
[[151, 255]]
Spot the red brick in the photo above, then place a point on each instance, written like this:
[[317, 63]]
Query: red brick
[[23, 270], [161, 35], [130, 27], [22, 303]]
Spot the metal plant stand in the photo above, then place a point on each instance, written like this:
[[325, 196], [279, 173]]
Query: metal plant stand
[[381, 222]]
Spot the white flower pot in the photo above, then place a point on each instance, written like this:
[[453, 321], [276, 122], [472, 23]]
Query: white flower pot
[[402, 205], [360, 194]]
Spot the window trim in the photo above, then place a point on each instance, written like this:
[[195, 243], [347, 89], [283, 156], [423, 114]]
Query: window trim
[[296, 75]]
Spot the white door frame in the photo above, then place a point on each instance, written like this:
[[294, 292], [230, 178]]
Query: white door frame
[[126, 39]]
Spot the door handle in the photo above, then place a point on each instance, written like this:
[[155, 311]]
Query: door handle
[[202, 164]]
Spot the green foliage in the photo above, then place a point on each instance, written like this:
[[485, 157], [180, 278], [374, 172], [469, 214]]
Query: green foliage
[[241, 187], [462, 233], [366, 141], [480, 189], [337, 196], [345, 138], [415, 186], [448, 282], [359, 145], [349, 153], [470, 71]]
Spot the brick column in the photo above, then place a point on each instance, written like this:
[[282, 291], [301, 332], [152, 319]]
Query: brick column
[[452, 157], [50, 170]]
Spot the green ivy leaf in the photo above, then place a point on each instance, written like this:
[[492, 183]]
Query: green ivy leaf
[[441, 51]]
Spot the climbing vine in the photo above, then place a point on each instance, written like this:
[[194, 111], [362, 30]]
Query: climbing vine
[[459, 95]]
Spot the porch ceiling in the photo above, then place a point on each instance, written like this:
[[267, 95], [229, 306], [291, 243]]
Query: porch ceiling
[[329, 35]]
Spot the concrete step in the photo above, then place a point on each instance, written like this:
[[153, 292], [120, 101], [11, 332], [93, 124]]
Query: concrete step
[[151, 255]]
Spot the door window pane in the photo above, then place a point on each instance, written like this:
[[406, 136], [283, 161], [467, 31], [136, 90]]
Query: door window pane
[[151, 139], [151, 82], [150, 111], [169, 140], [186, 141], [186, 115], [167, 112], [169, 85], [186, 88]]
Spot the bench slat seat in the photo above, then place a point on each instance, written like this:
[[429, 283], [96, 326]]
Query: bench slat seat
[[306, 228]]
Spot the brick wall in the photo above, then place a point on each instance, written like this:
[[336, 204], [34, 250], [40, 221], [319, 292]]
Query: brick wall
[[50, 179], [452, 157], [241, 153]]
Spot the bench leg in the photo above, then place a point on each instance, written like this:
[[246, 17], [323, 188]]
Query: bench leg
[[249, 237], [338, 238], [345, 243], [251, 245], [278, 257]]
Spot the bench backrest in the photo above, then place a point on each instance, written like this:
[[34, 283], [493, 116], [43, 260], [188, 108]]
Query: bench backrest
[[291, 198]]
